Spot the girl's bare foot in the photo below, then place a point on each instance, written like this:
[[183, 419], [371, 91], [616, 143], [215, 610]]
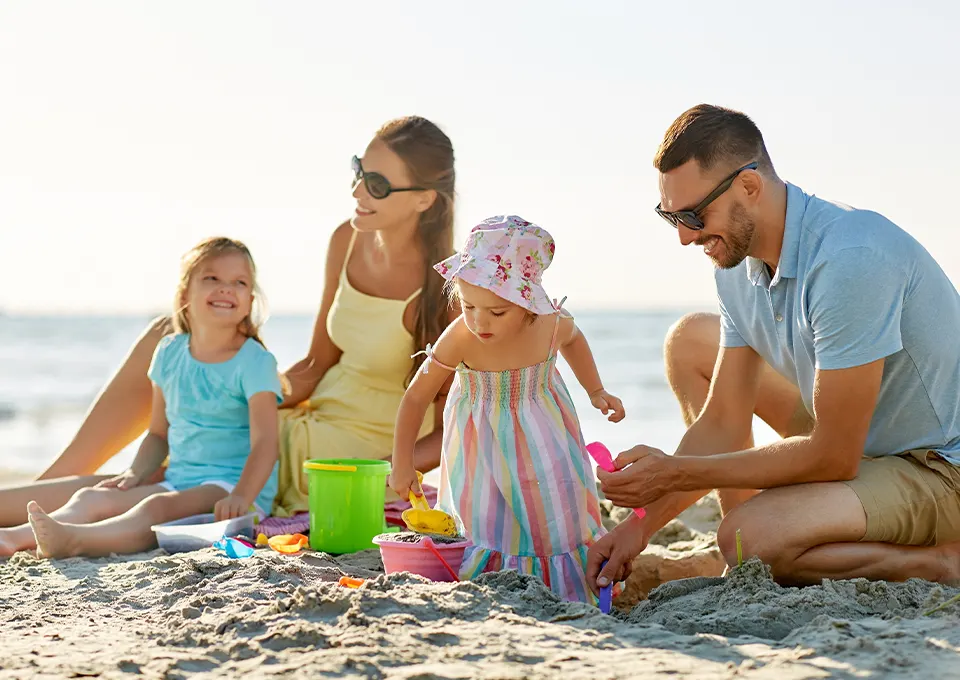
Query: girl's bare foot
[[54, 540]]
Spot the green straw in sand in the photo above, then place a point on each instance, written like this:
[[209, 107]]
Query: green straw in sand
[[739, 550], [943, 605]]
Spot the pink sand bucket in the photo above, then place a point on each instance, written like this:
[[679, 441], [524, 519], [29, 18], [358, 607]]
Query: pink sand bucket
[[417, 558]]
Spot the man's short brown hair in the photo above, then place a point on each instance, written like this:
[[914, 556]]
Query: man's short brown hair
[[714, 137]]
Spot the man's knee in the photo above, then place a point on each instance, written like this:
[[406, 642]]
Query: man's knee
[[727, 538], [692, 343], [762, 536], [757, 538]]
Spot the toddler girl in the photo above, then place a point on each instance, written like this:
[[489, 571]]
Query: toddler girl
[[514, 471]]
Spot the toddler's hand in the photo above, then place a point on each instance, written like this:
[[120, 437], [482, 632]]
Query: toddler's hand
[[125, 480], [405, 481], [606, 403], [230, 507]]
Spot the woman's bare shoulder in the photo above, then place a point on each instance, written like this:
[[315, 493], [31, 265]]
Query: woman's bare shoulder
[[337, 248], [340, 238]]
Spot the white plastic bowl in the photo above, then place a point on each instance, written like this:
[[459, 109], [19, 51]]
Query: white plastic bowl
[[200, 531]]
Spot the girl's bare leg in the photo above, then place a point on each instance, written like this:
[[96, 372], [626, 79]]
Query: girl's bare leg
[[86, 506], [127, 533], [119, 415], [52, 493]]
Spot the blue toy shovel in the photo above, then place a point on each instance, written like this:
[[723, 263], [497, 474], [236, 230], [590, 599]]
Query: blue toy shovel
[[606, 595], [234, 548]]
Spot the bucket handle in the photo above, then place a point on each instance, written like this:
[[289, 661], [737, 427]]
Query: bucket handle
[[330, 467]]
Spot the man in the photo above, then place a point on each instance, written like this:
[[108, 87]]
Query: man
[[836, 328]]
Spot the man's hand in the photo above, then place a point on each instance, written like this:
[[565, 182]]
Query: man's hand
[[643, 475], [618, 548], [125, 480], [231, 507]]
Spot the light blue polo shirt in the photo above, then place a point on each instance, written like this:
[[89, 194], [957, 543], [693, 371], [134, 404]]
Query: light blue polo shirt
[[852, 288]]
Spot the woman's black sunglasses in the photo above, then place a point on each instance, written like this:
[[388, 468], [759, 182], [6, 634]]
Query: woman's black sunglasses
[[691, 218], [377, 185]]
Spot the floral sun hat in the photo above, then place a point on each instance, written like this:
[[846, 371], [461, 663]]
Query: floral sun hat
[[506, 255]]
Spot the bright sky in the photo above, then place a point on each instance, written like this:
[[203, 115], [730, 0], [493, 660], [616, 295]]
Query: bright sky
[[130, 130]]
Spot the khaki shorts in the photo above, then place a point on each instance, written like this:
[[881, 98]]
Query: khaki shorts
[[910, 499]]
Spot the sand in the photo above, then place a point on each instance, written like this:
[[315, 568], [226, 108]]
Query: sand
[[203, 614], [412, 537]]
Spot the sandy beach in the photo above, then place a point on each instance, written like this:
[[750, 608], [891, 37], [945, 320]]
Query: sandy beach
[[203, 614]]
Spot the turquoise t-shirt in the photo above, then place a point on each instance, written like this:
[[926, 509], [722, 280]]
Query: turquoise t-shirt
[[208, 411]]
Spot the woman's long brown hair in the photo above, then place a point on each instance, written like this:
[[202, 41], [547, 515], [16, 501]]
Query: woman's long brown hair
[[428, 155]]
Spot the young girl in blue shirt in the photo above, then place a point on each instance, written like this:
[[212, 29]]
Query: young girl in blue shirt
[[214, 419]]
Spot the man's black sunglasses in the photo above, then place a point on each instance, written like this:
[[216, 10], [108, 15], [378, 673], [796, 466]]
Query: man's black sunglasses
[[691, 218], [377, 185]]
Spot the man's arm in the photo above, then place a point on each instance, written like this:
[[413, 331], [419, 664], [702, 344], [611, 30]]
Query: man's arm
[[844, 401], [723, 425], [855, 296]]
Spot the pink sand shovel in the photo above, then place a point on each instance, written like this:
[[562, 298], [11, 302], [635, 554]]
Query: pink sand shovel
[[601, 454]]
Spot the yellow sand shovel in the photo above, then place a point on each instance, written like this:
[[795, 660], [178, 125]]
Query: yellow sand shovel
[[421, 519]]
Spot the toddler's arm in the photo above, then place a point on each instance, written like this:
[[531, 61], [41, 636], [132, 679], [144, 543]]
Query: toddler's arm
[[153, 449], [264, 451], [423, 390], [576, 351]]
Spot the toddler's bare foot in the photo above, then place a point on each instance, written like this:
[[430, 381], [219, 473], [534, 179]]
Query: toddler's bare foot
[[54, 540]]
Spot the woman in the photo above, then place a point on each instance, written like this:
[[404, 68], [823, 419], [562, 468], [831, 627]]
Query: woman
[[381, 303]]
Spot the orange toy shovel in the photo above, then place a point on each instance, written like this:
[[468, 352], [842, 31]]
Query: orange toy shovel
[[288, 543]]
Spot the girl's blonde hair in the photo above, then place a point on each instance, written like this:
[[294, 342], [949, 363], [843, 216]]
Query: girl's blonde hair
[[204, 251]]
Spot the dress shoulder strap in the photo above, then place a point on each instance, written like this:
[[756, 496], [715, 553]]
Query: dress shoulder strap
[[413, 295], [431, 358], [346, 258], [556, 326]]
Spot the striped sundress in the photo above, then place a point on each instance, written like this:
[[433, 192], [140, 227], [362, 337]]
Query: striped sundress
[[515, 474]]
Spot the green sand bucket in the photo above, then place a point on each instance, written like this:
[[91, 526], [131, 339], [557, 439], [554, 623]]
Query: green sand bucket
[[346, 503]]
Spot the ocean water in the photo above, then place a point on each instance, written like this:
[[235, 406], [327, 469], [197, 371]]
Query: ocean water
[[51, 368]]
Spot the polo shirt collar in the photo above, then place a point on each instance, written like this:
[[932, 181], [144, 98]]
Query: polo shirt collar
[[790, 250]]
